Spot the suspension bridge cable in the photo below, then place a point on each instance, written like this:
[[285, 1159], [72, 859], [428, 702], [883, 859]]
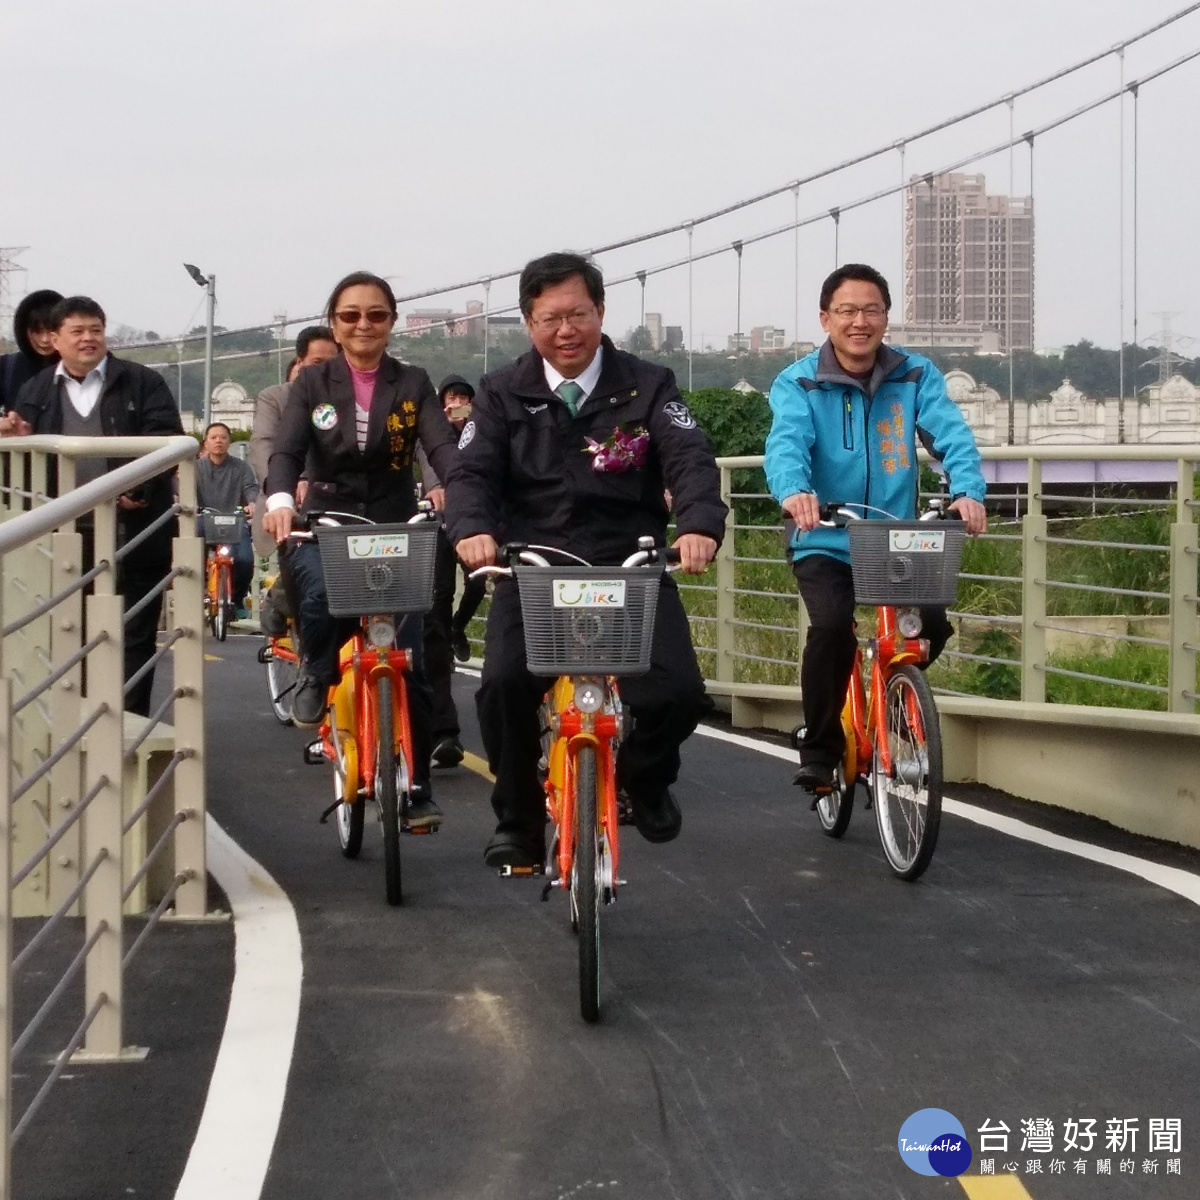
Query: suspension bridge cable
[[691, 223]]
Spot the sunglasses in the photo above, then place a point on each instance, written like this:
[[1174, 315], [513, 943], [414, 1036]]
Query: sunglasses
[[375, 316]]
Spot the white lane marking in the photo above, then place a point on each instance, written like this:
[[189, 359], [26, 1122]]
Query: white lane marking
[[233, 1145], [1182, 883]]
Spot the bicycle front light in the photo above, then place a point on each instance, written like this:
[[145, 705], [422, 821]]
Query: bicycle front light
[[908, 620], [381, 631], [589, 696]]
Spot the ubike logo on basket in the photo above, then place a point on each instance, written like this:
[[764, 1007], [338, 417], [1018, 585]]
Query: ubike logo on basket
[[917, 541], [589, 593], [377, 545]]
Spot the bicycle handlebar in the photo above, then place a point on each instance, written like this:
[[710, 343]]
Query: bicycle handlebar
[[425, 512], [520, 553], [836, 513]]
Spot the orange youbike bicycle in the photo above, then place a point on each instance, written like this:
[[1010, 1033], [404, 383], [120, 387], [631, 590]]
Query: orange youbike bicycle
[[222, 532], [890, 721], [376, 573], [585, 626]]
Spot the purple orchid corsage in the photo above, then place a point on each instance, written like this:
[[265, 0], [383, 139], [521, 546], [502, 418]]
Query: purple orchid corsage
[[625, 450]]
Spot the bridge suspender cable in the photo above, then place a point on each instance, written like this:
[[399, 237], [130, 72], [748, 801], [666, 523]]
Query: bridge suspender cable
[[900, 144]]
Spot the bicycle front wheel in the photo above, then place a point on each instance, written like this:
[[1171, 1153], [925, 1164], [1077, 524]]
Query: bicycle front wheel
[[908, 799], [387, 793], [585, 883], [282, 669], [221, 616]]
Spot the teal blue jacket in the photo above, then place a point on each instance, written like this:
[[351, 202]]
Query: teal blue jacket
[[856, 442]]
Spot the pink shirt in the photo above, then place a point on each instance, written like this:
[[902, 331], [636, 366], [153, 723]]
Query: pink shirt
[[364, 389]]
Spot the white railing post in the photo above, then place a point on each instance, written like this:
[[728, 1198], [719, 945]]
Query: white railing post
[[66, 778], [191, 899], [102, 836], [726, 582], [1033, 590], [6, 930]]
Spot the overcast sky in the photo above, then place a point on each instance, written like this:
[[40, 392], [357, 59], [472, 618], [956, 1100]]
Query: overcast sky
[[280, 145]]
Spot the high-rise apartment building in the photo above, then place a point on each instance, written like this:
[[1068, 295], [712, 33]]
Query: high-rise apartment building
[[968, 260]]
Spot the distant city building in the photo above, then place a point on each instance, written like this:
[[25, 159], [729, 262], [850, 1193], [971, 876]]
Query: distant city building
[[232, 405], [673, 338], [965, 339], [737, 343], [654, 327], [445, 322], [968, 259], [767, 339]]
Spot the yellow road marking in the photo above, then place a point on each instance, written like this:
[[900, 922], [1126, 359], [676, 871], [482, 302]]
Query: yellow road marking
[[213, 658], [474, 763], [993, 1187]]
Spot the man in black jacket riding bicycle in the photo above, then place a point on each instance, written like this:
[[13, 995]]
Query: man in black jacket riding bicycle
[[572, 446]]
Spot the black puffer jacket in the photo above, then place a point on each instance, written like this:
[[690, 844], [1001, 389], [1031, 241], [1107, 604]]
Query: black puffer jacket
[[524, 471], [18, 368]]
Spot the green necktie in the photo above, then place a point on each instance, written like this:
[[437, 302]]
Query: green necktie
[[570, 393]]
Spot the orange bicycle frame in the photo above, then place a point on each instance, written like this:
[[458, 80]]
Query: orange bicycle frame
[[860, 718], [573, 731], [353, 710]]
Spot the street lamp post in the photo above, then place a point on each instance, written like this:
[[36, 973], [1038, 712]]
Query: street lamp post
[[210, 283]]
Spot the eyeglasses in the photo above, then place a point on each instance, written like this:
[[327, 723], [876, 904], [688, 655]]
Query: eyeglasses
[[847, 312], [375, 316], [581, 316]]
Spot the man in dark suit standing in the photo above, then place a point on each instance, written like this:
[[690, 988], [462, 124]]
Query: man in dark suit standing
[[90, 393]]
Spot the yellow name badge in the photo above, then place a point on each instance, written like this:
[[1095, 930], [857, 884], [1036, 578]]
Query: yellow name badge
[[377, 545], [589, 593], [917, 541]]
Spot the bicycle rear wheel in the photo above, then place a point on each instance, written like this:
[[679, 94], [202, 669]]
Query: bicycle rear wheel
[[387, 794], [908, 802], [282, 669], [585, 883], [350, 814], [835, 806]]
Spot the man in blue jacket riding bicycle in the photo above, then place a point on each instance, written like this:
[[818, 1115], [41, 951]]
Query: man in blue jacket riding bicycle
[[847, 419]]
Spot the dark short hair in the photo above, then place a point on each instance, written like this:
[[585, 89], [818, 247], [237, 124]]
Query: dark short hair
[[76, 306], [356, 279], [217, 425], [856, 271], [313, 333], [557, 268], [35, 311]]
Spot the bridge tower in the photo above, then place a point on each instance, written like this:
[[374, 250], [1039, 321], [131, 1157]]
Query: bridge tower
[[8, 267]]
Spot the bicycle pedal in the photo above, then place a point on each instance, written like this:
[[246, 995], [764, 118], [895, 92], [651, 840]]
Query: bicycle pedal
[[417, 830], [264, 653], [314, 753], [508, 871]]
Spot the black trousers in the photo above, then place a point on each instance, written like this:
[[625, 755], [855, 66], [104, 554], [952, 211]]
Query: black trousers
[[439, 654], [666, 704], [138, 573], [322, 636], [827, 588]]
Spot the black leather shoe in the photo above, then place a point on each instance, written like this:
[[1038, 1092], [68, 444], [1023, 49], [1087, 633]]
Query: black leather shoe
[[460, 645], [419, 810], [813, 776], [308, 700], [658, 819], [448, 752], [510, 849]]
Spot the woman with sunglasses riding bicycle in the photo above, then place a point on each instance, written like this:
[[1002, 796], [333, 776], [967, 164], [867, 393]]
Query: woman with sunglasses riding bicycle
[[361, 414]]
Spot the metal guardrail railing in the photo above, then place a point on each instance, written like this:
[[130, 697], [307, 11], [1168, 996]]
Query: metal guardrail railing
[[73, 760], [1022, 621]]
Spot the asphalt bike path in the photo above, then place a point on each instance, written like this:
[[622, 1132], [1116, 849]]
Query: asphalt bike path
[[775, 1003]]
